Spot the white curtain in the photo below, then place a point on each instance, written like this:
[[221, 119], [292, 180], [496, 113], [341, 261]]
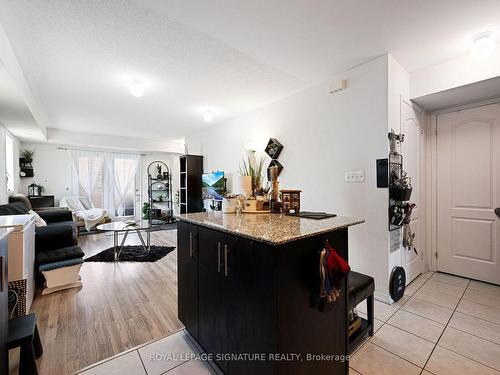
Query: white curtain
[[87, 175], [122, 171], [107, 179]]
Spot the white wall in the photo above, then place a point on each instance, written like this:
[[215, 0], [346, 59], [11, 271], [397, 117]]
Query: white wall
[[52, 169], [324, 135], [3, 181], [454, 73]]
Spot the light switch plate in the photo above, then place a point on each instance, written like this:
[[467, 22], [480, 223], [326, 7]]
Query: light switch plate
[[355, 177]]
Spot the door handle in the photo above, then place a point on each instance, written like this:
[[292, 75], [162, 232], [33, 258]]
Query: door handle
[[497, 211], [191, 244], [226, 267], [218, 257]]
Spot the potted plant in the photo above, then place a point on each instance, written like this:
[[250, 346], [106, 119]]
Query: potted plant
[[145, 211], [26, 158], [401, 188], [251, 174]]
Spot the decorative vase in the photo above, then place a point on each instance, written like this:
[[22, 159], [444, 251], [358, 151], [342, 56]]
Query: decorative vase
[[246, 186], [229, 205]]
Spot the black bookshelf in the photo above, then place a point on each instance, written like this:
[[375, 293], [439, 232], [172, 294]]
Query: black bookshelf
[[191, 170], [160, 192]]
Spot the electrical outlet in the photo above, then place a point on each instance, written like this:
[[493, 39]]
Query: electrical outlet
[[355, 176]]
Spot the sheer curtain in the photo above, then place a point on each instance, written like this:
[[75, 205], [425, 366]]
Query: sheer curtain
[[122, 171], [107, 179], [87, 176]]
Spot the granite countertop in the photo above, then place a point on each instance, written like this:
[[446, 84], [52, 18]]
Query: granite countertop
[[274, 229]]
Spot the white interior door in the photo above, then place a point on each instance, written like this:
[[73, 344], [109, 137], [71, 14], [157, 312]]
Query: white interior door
[[468, 190], [412, 149]]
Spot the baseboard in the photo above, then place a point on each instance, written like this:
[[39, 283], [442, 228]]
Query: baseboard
[[382, 297]]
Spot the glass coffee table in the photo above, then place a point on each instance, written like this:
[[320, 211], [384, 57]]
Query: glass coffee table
[[126, 227]]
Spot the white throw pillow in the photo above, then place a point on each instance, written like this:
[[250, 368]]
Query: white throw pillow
[[39, 222]]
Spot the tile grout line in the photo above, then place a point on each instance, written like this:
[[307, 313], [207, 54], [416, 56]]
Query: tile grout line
[[479, 337], [142, 362], [476, 317], [470, 359], [444, 330], [394, 354], [385, 322], [170, 369]]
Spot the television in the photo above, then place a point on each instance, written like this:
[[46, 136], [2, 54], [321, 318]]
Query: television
[[213, 185]]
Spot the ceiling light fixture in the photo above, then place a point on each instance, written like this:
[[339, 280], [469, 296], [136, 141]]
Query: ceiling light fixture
[[483, 45], [208, 116], [136, 88]]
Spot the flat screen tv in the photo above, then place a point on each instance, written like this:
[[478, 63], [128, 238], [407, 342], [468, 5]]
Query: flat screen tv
[[213, 185]]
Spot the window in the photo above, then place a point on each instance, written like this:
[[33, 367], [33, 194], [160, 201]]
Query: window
[[125, 176], [108, 180], [9, 160], [91, 179]]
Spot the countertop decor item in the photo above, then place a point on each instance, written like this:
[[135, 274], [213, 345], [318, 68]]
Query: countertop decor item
[[252, 167], [274, 190], [290, 200], [229, 203], [274, 163]]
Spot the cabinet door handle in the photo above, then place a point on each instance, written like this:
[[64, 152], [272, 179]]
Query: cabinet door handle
[[218, 257], [226, 267], [2, 271], [191, 244]]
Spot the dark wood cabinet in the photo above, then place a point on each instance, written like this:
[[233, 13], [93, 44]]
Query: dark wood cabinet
[[257, 298], [190, 194], [212, 294], [187, 279], [41, 201]]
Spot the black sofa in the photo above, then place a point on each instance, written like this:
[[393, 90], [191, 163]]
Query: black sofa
[[60, 231]]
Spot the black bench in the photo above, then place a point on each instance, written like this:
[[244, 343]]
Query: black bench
[[23, 332], [361, 287]]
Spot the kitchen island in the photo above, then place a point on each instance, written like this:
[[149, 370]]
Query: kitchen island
[[249, 289]]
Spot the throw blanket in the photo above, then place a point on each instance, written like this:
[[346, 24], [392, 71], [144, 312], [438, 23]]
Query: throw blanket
[[91, 216]]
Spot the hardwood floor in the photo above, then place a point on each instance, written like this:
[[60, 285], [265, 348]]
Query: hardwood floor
[[120, 306]]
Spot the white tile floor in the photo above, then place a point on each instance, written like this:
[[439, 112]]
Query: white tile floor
[[444, 325], [447, 325]]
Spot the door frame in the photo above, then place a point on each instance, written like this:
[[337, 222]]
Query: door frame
[[432, 163], [423, 217]]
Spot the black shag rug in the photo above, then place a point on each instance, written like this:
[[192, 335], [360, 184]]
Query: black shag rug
[[132, 253]]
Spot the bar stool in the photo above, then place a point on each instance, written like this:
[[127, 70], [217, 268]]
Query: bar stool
[[23, 332], [361, 287]]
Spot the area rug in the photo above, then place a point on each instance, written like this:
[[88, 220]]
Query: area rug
[[132, 253]]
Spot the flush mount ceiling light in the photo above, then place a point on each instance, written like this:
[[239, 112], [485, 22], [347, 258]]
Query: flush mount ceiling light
[[483, 45], [136, 88], [208, 116]]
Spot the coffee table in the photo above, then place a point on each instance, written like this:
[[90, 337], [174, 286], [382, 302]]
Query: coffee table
[[126, 227]]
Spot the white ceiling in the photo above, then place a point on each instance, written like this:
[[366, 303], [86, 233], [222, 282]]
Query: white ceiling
[[225, 55], [14, 113], [471, 93]]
